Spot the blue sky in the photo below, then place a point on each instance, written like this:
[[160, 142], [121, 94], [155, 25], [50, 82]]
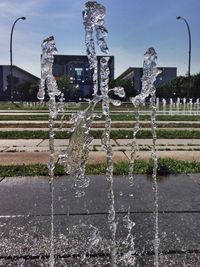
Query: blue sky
[[133, 25]]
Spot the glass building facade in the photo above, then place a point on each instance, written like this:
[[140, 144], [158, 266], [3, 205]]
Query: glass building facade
[[77, 68]]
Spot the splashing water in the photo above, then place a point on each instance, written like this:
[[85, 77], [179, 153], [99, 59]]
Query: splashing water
[[93, 20], [61, 109], [134, 146], [128, 258], [150, 72], [75, 157], [47, 78], [106, 144]]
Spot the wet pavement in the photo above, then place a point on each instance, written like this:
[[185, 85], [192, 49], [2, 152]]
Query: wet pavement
[[82, 233]]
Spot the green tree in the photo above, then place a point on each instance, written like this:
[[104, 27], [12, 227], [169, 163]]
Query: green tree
[[175, 88], [195, 86], [26, 91], [67, 87]]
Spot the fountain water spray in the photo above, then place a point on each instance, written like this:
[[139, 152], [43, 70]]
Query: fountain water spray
[[93, 20], [150, 72], [74, 159], [47, 79]]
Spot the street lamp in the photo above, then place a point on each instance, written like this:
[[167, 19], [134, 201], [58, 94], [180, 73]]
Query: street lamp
[[11, 65], [189, 60]]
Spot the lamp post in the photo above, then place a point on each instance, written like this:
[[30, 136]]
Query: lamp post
[[11, 65], [189, 59]]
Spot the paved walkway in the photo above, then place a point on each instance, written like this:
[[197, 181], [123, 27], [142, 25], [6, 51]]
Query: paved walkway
[[99, 124], [27, 151], [81, 231]]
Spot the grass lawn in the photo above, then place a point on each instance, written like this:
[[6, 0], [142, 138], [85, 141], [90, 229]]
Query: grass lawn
[[75, 106], [115, 134], [115, 117], [165, 167]]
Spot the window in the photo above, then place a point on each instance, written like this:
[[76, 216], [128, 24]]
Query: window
[[79, 73]]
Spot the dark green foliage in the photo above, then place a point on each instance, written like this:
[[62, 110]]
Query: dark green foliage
[[96, 169], [178, 87], [164, 168], [195, 86], [24, 135], [23, 170], [66, 86], [114, 117], [172, 166], [26, 91], [115, 134]]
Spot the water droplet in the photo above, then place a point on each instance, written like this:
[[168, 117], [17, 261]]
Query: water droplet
[[119, 91], [115, 102]]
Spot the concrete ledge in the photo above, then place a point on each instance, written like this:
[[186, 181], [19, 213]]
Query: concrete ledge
[[26, 158], [179, 155]]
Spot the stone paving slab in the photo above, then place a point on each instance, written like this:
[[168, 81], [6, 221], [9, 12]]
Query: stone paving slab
[[20, 158], [95, 157], [64, 142], [118, 144], [6, 129], [138, 198], [30, 149], [180, 259], [20, 142], [100, 124], [24, 196], [179, 155], [31, 195], [75, 223], [57, 142], [158, 148], [35, 128], [58, 149], [165, 142]]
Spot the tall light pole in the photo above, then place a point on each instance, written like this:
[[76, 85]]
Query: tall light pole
[[189, 60], [11, 64]]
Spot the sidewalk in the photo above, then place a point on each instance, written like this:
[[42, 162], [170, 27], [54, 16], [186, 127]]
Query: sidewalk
[[32, 151]]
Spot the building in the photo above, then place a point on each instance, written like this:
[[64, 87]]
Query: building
[[77, 68], [20, 76], [135, 74]]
